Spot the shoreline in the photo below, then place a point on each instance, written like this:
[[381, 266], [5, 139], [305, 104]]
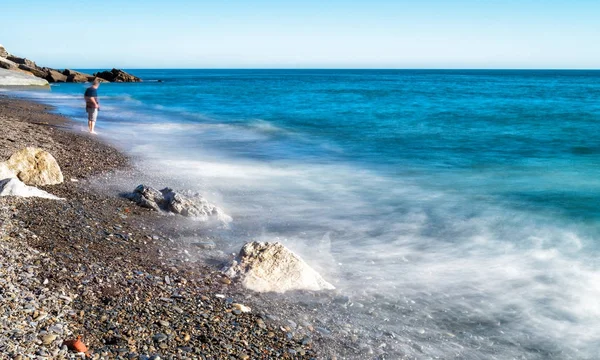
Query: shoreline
[[113, 263]]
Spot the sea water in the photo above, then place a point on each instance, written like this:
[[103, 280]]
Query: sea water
[[459, 211]]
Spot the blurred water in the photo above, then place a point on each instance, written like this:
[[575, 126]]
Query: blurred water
[[459, 208]]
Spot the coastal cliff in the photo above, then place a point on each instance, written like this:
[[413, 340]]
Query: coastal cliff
[[20, 71]]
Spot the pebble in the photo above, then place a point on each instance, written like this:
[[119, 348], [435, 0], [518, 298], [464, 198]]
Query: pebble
[[160, 337], [323, 330], [48, 339], [241, 307], [206, 245]]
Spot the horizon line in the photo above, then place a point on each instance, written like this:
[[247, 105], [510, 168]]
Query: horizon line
[[332, 68]]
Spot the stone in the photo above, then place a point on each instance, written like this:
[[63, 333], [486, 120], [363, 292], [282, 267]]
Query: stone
[[271, 267], [15, 187], [79, 78], [7, 64], [206, 245], [92, 78], [116, 75], [168, 200], [48, 339], [21, 61], [19, 78], [3, 52], [69, 72], [35, 71], [76, 76], [146, 197], [160, 337], [241, 307], [54, 76], [35, 166]]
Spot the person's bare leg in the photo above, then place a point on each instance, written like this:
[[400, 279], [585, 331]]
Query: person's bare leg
[[90, 126], [93, 123]]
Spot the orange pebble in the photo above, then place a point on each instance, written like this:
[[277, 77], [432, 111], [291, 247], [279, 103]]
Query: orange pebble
[[76, 345]]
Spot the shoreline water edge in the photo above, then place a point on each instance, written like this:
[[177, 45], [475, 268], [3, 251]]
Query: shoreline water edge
[[95, 265]]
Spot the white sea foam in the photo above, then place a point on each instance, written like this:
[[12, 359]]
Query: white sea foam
[[448, 262]]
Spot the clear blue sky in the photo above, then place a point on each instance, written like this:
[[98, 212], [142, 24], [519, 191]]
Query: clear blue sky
[[304, 33]]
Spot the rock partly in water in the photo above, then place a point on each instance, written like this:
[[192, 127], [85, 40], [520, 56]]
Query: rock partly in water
[[116, 75], [266, 267], [15, 187], [35, 166], [76, 76], [54, 76], [18, 78], [193, 205]]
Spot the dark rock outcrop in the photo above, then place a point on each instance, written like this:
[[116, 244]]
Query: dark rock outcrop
[[21, 61], [54, 76], [15, 63], [7, 64], [39, 72], [92, 78], [76, 76], [116, 75]]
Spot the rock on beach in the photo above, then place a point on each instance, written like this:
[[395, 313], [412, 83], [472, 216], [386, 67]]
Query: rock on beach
[[17, 78], [266, 267], [168, 200], [35, 166]]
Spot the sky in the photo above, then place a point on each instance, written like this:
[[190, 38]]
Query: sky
[[506, 34]]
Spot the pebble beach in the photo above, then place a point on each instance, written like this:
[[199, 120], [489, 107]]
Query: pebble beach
[[96, 266]]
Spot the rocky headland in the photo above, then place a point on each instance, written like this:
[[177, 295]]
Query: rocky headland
[[19, 71]]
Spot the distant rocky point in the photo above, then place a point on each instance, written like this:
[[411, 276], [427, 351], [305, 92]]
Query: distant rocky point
[[25, 66]]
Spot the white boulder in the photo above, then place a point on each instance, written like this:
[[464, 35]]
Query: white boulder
[[265, 267], [18, 78], [15, 187]]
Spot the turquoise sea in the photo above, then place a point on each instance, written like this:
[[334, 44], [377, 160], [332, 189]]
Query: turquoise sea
[[459, 210]]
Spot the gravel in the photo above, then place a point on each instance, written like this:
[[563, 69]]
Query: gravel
[[96, 266]]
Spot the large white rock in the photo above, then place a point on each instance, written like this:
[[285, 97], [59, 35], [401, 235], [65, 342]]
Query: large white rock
[[35, 166], [266, 267], [15, 187], [18, 78]]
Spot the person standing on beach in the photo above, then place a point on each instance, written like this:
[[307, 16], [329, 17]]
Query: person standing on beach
[[92, 105]]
